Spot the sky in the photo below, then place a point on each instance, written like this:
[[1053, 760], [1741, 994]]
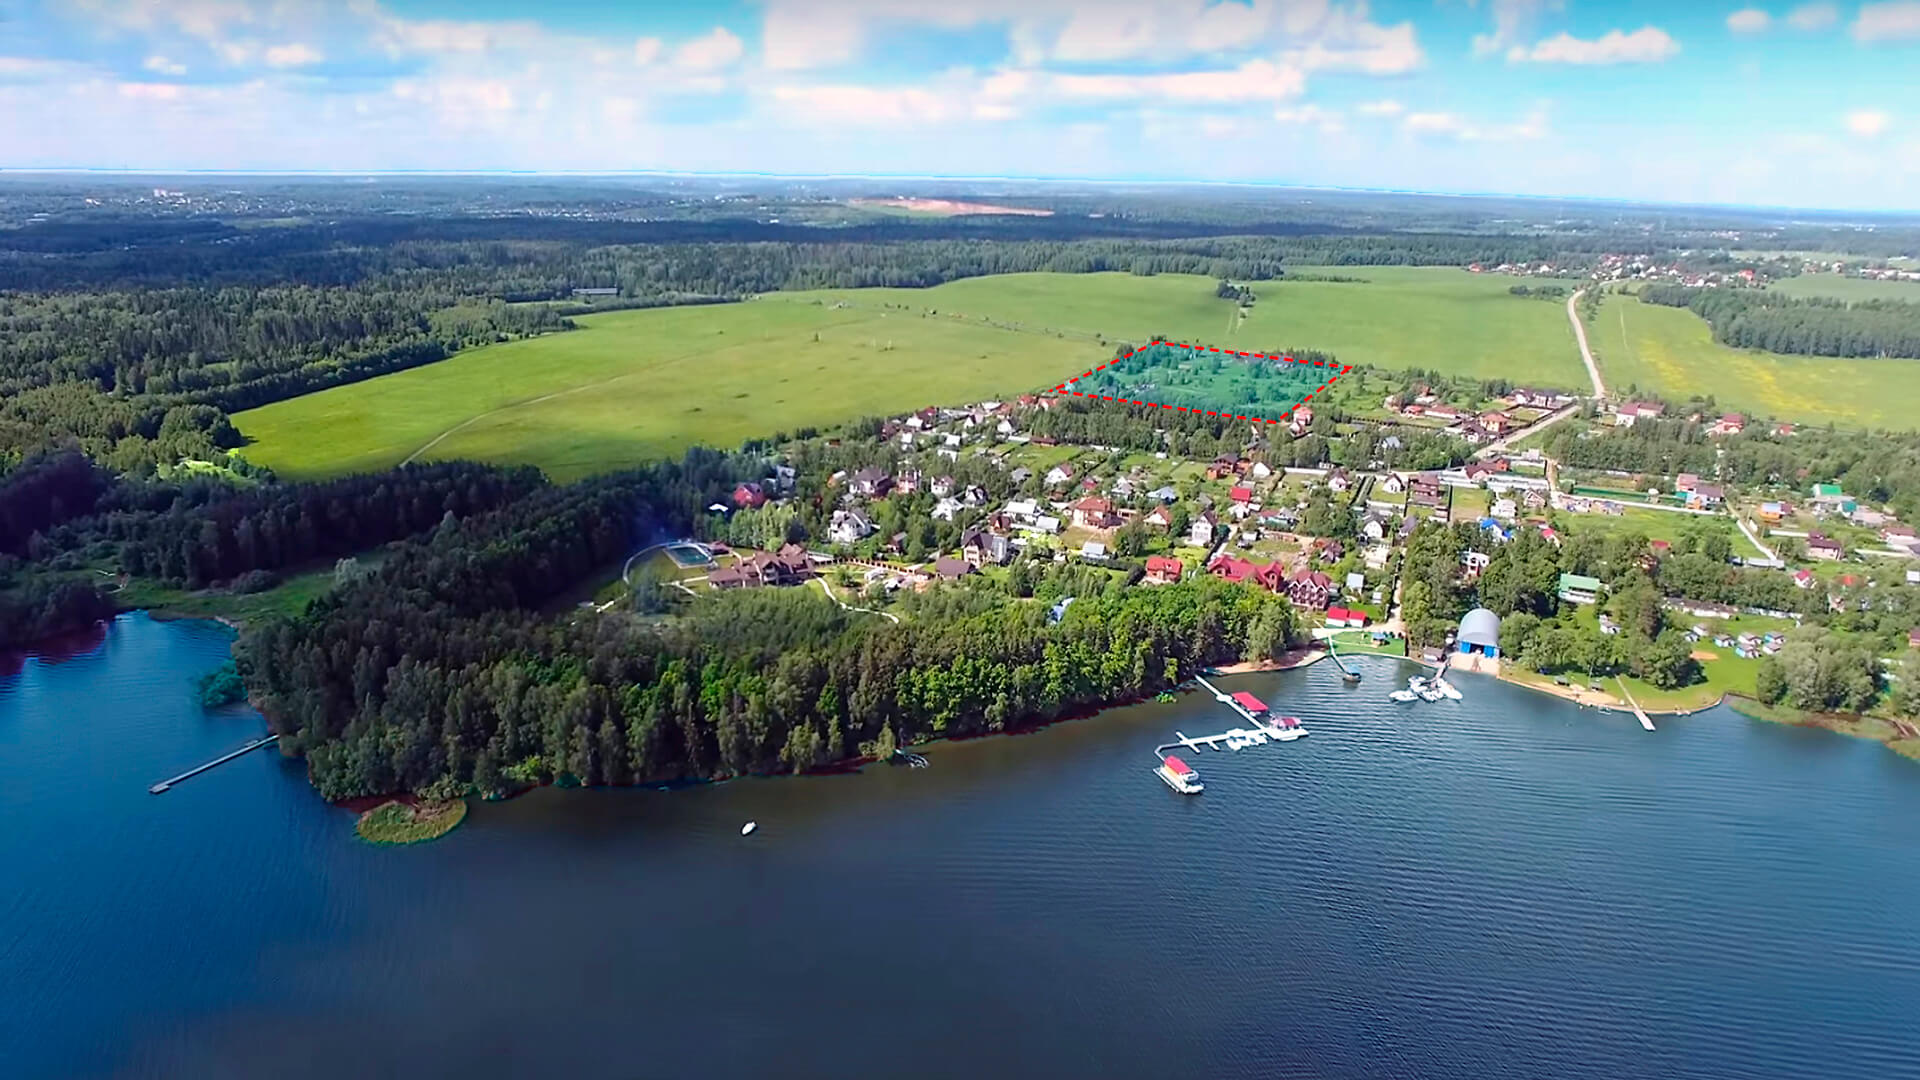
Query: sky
[[1778, 104]]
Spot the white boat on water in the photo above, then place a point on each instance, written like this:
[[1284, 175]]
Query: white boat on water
[[1286, 728], [1430, 694], [1446, 689], [1403, 695], [1416, 683], [1179, 776], [747, 829]]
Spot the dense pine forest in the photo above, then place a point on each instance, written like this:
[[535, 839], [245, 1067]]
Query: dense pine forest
[[1811, 326]]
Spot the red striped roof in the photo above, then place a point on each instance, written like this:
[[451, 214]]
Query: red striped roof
[[1249, 702], [1177, 767]]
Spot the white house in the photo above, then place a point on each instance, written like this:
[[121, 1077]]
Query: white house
[[1060, 473], [849, 527], [1095, 550], [946, 508], [1200, 533], [1504, 509]]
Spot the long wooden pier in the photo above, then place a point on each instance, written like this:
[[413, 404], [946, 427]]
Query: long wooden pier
[[222, 760]]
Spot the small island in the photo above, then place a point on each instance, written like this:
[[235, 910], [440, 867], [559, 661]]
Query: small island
[[396, 822]]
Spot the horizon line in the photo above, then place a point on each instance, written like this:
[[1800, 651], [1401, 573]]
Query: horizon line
[[8, 171]]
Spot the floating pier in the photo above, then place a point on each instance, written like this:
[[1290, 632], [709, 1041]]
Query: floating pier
[[1264, 729], [1347, 673], [222, 760]]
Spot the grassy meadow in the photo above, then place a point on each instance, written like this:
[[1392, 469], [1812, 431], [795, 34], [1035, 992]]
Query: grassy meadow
[[1438, 318], [631, 386], [1672, 351], [636, 385], [1852, 290]]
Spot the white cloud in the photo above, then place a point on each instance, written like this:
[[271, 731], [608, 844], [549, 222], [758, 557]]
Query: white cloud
[[28, 68], [1388, 107], [150, 91], [1363, 47], [1327, 120], [297, 54], [1649, 44], [1749, 21], [1455, 126], [647, 50], [866, 104], [160, 65], [207, 20], [1897, 20], [1813, 16], [709, 52], [1512, 19], [793, 38], [1256, 80], [1867, 123]]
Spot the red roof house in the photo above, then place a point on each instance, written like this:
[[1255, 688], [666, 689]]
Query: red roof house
[[1163, 569]]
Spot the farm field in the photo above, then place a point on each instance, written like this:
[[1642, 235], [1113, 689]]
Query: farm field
[[1672, 351], [1436, 318], [1835, 287], [1658, 525], [631, 386]]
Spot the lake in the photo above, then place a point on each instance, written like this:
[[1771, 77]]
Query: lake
[[1506, 886]]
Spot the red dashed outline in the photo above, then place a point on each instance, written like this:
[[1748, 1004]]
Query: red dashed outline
[[1284, 417]]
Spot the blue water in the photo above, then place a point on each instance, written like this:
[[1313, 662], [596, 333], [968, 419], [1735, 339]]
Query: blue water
[[1501, 887]]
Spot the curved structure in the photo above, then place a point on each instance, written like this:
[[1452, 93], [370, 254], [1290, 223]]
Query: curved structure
[[1479, 633]]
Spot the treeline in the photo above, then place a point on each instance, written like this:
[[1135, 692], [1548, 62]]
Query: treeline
[[434, 675], [41, 608], [1810, 326], [1653, 447]]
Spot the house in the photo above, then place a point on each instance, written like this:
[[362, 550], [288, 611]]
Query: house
[[1245, 571], [1094, 550], [1579, 588], [1626, 414], [1356, 581], [1339, 480], [1803, 579], [1529, 398], [1241, 495], [1706, 497], [984, 548], [946, 508], [1504, 509], [1534, 499], [1020, 476], [1159, 517], [871, 482], [906, 482], [1339, 616], [1822, 546], [1373, 527], [1774, 512], [951, 569], [1200, 532], [1004, 428], [1898, 534], [1445, 412], [941, 487], [1164, 494], [1495, 423], [1729, 424], [1309, 589], [849, 527], [1163, 570], [1393, 484], [1222, 467], [788, 566], [1260, 470], [1474, 561], [1094, 512], [1377, 556], [1302, 420], [1869, 517], [1329, 549], [974, 495], [1060, 474], [1829, 497], [749, 496], [1685, 483]]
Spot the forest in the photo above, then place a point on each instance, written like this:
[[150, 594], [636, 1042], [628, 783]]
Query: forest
[[436, 674], [1808, 326]]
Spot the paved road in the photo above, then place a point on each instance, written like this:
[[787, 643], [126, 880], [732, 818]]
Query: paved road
[[1548, 421], [1580, 335]]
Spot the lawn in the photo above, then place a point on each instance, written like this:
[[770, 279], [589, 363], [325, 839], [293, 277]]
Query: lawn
[[1394, 319], [1657, 525], [289, 598], [1672, 351], [631, 386], [1850, 289]]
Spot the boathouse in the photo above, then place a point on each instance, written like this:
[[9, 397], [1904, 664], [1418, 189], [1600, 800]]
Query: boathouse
[[1250, 703], [1479, 633]]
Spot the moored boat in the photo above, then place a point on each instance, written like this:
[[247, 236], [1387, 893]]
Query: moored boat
[[1403, 695], [1179, 776]]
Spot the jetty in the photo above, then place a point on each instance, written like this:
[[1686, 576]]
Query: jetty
[[222, 760], [1253, 710], [1638, 712], [1347, 673]]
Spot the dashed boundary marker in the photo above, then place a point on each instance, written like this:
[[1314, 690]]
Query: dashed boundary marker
[[1335, 372]]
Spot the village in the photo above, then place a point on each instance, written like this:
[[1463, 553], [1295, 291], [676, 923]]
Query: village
[[1001, 490]]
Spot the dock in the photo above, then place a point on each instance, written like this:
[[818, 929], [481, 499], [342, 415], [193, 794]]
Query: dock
[[1638, 712], [1347, 673], [1261, 732], [222, 760]]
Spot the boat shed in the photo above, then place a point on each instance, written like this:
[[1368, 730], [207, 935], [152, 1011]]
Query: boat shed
[[1479, 633], [1249, 702]]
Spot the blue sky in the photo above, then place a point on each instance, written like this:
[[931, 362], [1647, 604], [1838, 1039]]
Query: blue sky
[[1797, 104]]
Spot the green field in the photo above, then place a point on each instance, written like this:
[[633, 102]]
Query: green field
[[637, 385], [1835, 287], [1658, 525], [1672, 351], [1437, 318]]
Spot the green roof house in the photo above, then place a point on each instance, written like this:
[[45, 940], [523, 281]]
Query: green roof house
[[1579, 588]]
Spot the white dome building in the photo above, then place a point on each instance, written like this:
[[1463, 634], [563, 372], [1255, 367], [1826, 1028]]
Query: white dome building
[[1479, 633]]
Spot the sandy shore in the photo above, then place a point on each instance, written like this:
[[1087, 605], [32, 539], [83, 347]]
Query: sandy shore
[[1292, 658]]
